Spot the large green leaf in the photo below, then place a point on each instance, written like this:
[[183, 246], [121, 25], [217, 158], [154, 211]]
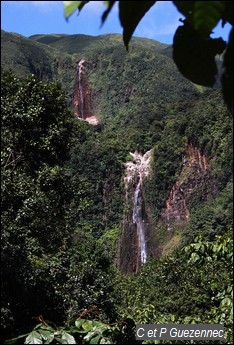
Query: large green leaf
[[130, 14], [68, 338], [87, 325], [195, 56], [34, 338], [46, 335], [95, 340], [202, 15], [89, 335], [206, 15], [79, 323], [71, 6]]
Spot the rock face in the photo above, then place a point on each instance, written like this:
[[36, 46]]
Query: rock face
[[195, 178], [137, 242], [82, 100], [133, 243]]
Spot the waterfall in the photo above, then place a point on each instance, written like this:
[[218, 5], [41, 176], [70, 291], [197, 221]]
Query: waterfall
[[82, 101], [80, 71], [135, 173], [137, 219]]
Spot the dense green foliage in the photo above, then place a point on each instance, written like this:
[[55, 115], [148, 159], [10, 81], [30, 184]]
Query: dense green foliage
[[192, 286], [63, 197], [26, 57], [47, 259]]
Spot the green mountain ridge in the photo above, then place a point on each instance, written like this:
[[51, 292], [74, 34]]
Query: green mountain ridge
[[114, 71]]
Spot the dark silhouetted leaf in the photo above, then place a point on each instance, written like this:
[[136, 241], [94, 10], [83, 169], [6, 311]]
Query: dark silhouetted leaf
[[130, 14], [195, 56], [186, 8], [228, 12], [107, 11]]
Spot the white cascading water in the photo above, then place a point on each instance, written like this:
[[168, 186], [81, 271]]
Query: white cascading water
[[138, 169], [137, 219], [80, 88]]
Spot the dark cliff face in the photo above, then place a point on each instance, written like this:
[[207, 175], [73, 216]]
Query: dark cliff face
[[194, 182], [128, 248]]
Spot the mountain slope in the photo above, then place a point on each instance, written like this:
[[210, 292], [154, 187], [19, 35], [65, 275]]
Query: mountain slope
[[141, 102], [114, 71], [25, 57]]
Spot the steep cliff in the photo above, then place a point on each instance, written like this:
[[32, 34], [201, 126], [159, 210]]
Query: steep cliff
[[82, 98], [195, 179], [195, 184]]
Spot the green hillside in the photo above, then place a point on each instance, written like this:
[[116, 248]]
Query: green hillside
[[41, 55], [25, 57], [69, 241]]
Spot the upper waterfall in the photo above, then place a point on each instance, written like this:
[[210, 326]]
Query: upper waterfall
[[79, 90], [82, 101], [80, 71]]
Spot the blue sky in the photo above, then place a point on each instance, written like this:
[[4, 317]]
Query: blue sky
[[46, 17]]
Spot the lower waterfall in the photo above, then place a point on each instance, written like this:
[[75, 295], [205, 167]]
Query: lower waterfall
[[137, 219], [133, 242]]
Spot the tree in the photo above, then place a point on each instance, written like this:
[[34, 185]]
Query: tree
[[194, 50], [36, 128], [50, 266]]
